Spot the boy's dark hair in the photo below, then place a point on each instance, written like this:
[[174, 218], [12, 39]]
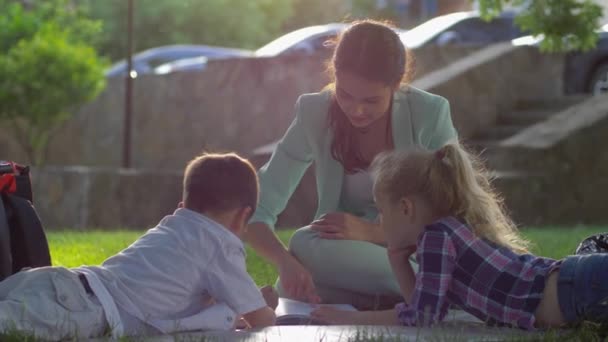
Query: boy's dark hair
[[218, 182]]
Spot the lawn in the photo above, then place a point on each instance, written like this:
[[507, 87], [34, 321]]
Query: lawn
[[75, 248], [71, 248]]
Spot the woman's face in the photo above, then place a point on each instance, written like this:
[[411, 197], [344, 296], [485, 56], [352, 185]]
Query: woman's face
[[363, 101]]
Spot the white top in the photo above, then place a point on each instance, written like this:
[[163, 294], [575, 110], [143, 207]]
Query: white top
[[357, 194], [164, 277]]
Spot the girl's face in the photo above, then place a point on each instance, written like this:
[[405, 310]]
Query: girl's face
[[403, 220], [363, 101]]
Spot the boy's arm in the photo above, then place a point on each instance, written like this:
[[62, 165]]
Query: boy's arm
[[260, 318], [230, 283]]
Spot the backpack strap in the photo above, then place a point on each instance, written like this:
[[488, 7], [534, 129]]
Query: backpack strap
[[6, 257], [28, 241]]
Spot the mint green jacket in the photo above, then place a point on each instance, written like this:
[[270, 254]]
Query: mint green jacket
[[418, 118]]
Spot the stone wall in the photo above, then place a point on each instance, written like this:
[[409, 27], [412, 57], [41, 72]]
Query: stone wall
[[565, 168], [237, 105], [81, 197], [491, 80]]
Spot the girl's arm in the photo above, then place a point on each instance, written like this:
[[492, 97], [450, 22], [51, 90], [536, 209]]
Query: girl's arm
[[402, 269], [340, 317]]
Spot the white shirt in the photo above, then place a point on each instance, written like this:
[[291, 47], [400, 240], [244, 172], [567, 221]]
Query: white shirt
[[357, 195], [163, 278]]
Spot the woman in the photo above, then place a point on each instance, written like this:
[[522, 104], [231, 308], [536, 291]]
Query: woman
[[367, 109]]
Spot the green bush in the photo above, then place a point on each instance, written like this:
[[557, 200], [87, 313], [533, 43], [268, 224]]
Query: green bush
[[47, 70]]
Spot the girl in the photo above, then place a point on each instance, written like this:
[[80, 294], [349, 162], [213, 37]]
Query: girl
[[440, 204]]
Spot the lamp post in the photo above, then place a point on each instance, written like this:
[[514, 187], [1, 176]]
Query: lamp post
[[126, 155]]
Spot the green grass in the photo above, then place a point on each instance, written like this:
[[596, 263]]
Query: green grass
[[558, 242], [75, 248]]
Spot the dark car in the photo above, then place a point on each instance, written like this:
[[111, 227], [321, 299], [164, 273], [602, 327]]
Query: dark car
[[584, 71], [146, 61], [587, 72], [462, 28]]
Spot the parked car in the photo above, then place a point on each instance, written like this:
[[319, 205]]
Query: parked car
[[146, 61], [584, 72], [185, 64], [462, 28], [307, 40]]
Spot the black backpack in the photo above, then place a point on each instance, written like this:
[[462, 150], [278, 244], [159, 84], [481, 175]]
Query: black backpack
[[22, 239], [597, 243]]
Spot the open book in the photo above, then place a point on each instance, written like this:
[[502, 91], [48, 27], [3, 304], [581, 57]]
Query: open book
[[293, 312]]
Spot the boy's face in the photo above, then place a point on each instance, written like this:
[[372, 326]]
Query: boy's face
[[241, 220]]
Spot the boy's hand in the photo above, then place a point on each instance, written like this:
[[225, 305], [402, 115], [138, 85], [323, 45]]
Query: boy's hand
[[271, 296]]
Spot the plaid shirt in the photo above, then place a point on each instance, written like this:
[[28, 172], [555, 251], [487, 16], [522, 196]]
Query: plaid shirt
[[490, 282]]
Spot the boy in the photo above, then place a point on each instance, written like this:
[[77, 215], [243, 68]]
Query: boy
[[187, 273]]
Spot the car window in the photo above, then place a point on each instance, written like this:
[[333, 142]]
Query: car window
[[478, 31], [154, 62]]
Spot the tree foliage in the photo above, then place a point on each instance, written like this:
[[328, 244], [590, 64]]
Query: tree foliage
[[232, 23], [47, 69], [565, 24]]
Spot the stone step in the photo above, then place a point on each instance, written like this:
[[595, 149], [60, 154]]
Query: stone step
[[492, 155], [525, 117], [499, 132], [550, 104]]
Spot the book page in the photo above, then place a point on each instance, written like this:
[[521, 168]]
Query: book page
[[293, 307]]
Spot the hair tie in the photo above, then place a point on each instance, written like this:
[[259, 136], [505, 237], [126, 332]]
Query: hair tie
[[440, 154]]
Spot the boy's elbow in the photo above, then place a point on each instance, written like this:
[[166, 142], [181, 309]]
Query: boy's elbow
[[261, 318]]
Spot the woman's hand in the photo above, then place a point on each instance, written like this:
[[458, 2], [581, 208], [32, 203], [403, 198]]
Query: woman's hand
[[344, 226], [297, 281]]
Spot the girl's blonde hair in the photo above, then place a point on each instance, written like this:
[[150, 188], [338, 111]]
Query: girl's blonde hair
[[455, 183]]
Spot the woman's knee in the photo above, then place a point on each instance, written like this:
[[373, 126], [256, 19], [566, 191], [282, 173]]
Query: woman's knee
[[301, 241]]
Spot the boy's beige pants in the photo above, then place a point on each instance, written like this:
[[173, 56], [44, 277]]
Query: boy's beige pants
[[50, 303]]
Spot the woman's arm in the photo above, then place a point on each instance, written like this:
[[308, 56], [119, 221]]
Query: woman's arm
[[278, 180], [295, 279]]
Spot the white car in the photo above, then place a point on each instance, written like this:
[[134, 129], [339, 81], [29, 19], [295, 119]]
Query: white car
[[146, 61], [307, 40], [462, 28]]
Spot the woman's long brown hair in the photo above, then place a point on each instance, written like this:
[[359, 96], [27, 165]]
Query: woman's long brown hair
[[371, 50]]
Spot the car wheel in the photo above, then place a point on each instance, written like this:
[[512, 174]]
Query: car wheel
[[599, 80]]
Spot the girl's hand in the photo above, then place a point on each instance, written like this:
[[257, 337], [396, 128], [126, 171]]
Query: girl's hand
[[401, 252], [344, 226], [334, 316]]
